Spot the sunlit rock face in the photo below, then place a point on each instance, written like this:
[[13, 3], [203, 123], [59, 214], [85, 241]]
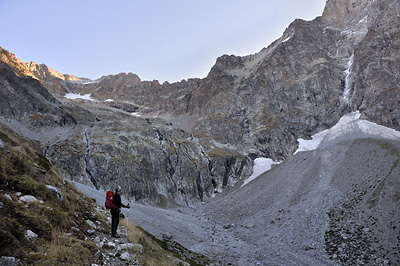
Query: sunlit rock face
[[26, 103], [56, 82]]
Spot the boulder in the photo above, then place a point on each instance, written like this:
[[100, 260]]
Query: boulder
[[27, 199], [56, 192], [8, 197], [31, 236]]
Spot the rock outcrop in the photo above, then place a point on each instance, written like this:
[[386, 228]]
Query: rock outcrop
[[154, 162], [27, 106], [56, 82]]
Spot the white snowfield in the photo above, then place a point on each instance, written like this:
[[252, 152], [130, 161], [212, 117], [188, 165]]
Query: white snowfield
[[75, 96], [350, 126]]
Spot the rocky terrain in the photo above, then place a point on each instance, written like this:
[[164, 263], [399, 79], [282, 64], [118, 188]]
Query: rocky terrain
[[335, 205], [188, 146]]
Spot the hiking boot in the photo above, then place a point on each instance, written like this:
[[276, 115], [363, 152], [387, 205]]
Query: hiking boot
[[116, 236]]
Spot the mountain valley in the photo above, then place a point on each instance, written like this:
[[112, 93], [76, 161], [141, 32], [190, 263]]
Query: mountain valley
[[182, 151]]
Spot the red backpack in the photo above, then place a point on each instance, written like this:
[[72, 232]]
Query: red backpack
[[109, 200]]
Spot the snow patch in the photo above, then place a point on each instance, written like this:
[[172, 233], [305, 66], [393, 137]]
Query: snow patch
[[75, 96], [261, 165], [108, 100], [310, 145], [136, 114], [350, 126], [362, 20]]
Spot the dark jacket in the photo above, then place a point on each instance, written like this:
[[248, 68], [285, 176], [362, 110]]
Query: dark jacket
[[117, 201]]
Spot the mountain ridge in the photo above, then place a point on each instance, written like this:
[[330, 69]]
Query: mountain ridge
[[316, 92]]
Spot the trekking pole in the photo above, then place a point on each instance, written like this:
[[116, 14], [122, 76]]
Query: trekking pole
[[127, 220]]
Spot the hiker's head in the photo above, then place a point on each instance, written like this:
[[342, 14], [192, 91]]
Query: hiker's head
[[117, 189]]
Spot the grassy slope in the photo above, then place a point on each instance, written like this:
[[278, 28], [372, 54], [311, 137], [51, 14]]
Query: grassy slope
[[24, 171]]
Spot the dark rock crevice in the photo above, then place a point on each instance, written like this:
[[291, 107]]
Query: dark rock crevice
[[87, 161]]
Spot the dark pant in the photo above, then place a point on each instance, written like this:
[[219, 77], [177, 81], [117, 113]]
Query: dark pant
[[114, 220]]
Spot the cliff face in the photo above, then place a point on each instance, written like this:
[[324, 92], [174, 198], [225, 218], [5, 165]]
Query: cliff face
[[343, 61], [17, 66], [374, 79], [154, 162]]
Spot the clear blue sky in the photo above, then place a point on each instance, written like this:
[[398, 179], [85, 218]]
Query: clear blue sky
[[155, 39]]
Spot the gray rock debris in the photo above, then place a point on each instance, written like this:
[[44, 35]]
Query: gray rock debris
[[8, 197], [27, 199], [31, 235], [56, 192], [8, 261]]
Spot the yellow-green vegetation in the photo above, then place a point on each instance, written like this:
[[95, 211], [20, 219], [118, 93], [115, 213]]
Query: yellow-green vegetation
[[217, 151], [158, 252], [388, 146], [60, 224], [165, 202], [39, 118], [397, 196]]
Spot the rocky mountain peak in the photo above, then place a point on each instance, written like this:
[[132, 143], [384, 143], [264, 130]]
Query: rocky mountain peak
[[43, 72], [16, 65], [344, 14]]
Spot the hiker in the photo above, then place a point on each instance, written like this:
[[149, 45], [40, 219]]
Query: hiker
[[115, 210]]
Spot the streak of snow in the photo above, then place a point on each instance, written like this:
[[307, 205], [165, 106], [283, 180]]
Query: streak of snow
[[74, 96], [347, 79], [362, 20], [108, 100], [287, 39], [310, 145]]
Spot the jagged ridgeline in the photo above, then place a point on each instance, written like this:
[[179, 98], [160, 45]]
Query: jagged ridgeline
[[200, 135]]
